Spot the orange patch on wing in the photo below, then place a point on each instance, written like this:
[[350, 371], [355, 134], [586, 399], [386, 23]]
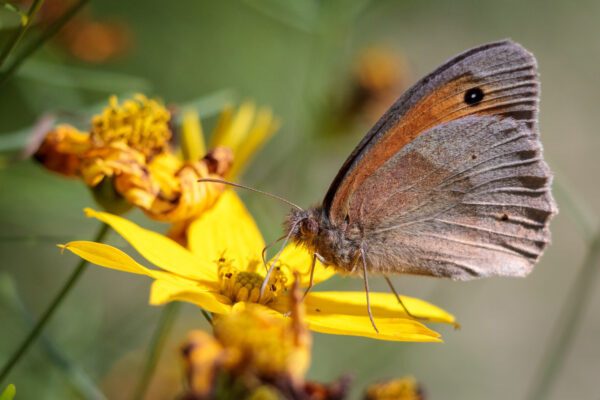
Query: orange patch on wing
[[443, 105]]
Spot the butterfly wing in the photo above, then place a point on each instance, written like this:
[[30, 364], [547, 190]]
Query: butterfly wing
[[504, 71], [465, 199], [444, 187]]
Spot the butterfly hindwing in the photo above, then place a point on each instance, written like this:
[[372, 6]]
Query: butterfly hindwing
[[465, 199]]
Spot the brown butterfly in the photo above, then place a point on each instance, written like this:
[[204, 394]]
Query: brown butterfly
[[450, 182]]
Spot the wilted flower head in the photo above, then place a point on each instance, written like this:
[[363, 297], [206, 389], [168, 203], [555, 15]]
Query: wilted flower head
[[405, 388], [127, 155], [251, 345]]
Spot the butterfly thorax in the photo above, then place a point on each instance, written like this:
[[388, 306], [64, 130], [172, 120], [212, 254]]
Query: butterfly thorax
[[338, 245]]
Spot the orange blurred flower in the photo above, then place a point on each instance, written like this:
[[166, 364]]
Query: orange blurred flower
[[85, 36]]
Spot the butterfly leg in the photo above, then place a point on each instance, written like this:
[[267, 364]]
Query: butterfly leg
[[389, 282], [312, 272], [364, 260], [312, 275]]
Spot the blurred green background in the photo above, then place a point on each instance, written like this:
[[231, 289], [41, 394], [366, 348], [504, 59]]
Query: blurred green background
[[298, 57]]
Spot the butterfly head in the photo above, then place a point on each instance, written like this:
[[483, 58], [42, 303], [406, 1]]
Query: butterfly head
[[304, 225]]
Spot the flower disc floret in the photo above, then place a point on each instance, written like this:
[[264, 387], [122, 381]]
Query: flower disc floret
[[240, 285], [141, 123]]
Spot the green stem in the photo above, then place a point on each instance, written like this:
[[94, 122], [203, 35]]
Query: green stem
[[35, 7], [39, 326], [167, 319], [569, 319], [35, 45], [207, 316]]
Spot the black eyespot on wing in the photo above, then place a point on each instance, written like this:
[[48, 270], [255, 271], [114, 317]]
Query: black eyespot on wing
[[474, 96]]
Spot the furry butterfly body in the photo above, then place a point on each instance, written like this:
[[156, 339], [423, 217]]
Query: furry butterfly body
[[450, 182]]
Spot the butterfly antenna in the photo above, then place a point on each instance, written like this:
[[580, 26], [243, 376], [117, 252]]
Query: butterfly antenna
[[252, 190]]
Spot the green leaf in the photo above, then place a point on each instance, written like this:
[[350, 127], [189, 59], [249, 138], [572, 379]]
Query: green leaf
[[210, 104], [301, 15], [9, 392], [60, 75]]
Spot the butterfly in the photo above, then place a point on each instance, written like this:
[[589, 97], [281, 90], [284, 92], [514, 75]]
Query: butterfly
[[450, 182]]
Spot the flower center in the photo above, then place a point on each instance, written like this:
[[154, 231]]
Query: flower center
[[142, 124], [245, 285]]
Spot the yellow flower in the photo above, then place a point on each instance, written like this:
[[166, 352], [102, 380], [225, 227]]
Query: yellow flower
[[222, 266], [405, 388]]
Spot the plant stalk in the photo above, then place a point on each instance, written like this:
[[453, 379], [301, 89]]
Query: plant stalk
[[33, 10], [159, 338], [56, 302], [569, 320], [35, 45]]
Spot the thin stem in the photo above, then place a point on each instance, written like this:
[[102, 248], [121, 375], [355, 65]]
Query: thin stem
[[33, 10], [573, 203], [79, 380], [569, 320], [207, 316], [165, 323], [39, 326], [35, 45]]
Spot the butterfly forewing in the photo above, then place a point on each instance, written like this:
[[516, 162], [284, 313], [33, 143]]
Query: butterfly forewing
[[503, 71]]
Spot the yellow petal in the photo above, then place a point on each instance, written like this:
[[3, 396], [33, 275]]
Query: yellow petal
[[382, 305], [106, 256], [225, 229], [164, 291], [395, 329], [345, 313], [111, 257], [158, 249], [216, 139], [263, 128], [299, 259], [237, 129], [192, 139]]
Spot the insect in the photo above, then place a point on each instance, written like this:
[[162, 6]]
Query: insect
[[450, 182]]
